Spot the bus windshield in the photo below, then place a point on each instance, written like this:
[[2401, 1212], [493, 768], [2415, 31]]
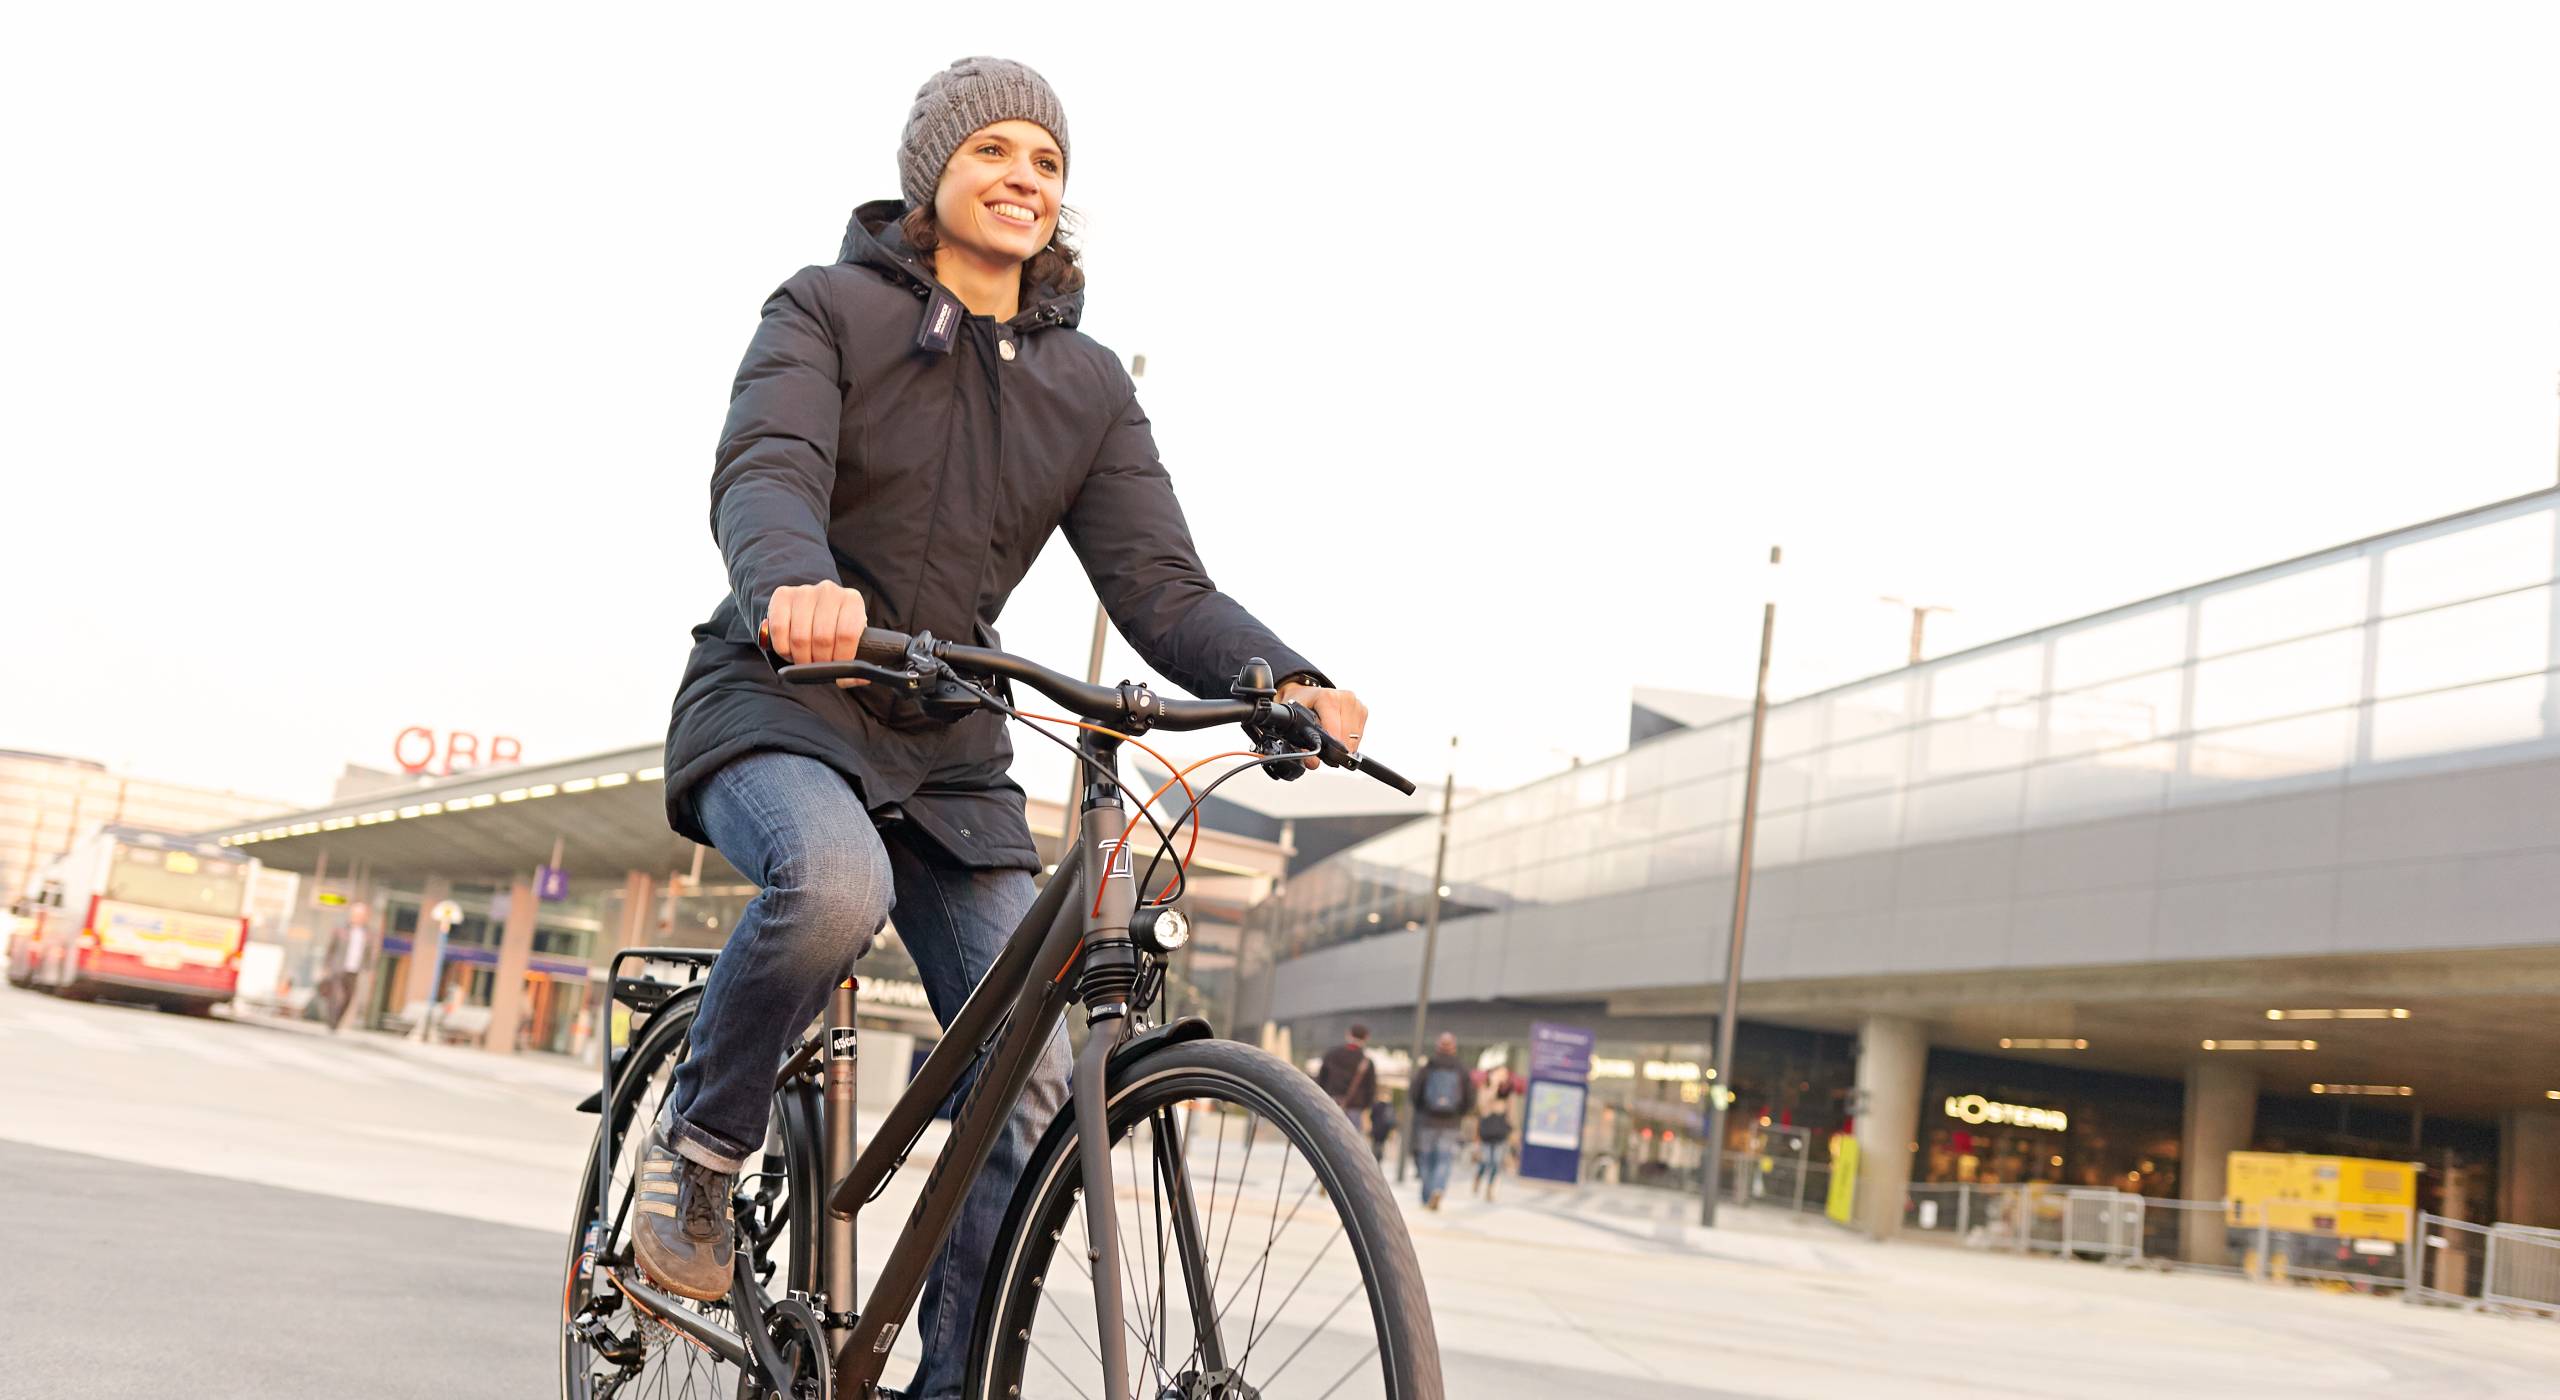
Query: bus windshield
[[159, 879]]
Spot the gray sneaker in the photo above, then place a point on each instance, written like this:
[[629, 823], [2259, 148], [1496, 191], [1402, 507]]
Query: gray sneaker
[[680, 1224]]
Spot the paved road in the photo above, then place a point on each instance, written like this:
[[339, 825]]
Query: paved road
[[272, 1209], [158, 1282]]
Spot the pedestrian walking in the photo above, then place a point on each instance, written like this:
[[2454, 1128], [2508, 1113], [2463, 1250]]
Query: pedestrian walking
[[349, 948], [1440, 1098], [1348, 1076], [1382, 1126], [1493, 1140]]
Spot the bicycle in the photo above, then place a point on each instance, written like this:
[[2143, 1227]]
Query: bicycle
[[1155, 1099]]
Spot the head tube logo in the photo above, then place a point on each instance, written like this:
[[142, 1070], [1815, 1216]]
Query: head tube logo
[[1115, 855]]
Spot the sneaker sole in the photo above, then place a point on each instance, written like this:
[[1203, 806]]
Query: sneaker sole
[[652, 1270]]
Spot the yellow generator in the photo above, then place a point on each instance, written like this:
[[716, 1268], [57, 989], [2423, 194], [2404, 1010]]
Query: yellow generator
[[2322, 1215]]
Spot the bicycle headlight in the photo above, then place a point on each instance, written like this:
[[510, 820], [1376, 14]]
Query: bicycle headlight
[[1160, 930]]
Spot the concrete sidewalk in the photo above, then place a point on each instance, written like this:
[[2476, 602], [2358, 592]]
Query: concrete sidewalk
[[530, 1068]]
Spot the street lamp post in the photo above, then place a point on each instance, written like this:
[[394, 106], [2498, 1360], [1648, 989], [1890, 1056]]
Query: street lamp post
[[1430, 947], [1720, 1093]]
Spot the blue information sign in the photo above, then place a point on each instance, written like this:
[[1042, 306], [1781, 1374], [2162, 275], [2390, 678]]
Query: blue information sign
[[550, 883], [1559, 1083]]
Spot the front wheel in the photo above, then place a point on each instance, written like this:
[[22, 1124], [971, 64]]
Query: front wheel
[[1262, 1256]]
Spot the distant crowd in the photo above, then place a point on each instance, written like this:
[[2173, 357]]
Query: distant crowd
[[1455, 1110]]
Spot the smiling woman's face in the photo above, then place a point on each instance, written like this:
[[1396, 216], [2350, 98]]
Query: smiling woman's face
[[999, 197]]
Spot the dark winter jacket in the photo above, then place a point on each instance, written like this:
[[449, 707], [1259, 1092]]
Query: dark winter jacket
[[1347, 1075], [926, 476]]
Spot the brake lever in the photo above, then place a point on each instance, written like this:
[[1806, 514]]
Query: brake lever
[[818, 672], [1332, 751]]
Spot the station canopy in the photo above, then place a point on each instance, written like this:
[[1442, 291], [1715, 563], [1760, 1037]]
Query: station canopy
[[606, 812]]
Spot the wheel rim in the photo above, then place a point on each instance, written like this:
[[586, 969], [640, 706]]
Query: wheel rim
[[614, 1348], [1287, 1265]]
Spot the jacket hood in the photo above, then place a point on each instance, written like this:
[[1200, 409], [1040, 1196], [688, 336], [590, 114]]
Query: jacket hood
[[872, 240]]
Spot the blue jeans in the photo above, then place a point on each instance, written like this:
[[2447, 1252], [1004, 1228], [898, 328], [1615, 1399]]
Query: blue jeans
[[828, 879], [1435, 1151]]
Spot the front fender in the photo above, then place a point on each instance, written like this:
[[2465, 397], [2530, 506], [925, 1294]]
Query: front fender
[[1148, 1042]]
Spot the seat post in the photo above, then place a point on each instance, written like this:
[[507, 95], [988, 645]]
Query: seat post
[[837, 1236]]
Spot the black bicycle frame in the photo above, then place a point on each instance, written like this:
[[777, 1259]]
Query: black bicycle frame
[[1073, 941], [1010, 1017]]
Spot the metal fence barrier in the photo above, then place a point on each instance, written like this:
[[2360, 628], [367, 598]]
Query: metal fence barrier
[[2445, 1261], [2371, 1247], [2101, 1224], [2202, 1236], [2523, 1268]]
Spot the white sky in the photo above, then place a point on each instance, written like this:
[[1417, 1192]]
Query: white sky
[[361, 369]]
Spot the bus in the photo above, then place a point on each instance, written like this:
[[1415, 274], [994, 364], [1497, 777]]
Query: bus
[[137, 914]]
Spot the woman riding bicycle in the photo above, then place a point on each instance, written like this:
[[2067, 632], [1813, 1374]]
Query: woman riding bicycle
[[909, 426]]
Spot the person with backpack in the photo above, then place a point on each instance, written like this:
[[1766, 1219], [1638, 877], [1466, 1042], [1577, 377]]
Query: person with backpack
[[1440, 1097]]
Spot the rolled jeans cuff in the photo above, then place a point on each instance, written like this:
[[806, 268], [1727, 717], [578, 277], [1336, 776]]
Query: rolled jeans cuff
[[696, 1145]]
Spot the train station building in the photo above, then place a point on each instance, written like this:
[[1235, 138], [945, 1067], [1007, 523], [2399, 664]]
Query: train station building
[[518, 959], [2272, 862]]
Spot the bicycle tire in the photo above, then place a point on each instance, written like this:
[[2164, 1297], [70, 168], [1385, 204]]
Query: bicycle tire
[[1007, 1358], [642, 1082]]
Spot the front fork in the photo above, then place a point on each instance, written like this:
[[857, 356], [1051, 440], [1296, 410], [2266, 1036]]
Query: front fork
[[1108, 978]]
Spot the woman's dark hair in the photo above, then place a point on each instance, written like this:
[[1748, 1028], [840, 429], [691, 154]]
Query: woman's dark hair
[[1053, 267]]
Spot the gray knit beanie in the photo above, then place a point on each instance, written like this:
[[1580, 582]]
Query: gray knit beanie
[[971, 93]]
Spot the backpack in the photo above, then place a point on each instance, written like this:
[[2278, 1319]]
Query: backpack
[[1444, 1091]]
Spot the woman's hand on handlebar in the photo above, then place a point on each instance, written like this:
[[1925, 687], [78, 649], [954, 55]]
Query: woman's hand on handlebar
[[816, 622], [1339, 711]]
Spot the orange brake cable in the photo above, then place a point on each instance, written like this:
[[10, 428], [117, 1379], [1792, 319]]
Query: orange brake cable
[[1064, 835]]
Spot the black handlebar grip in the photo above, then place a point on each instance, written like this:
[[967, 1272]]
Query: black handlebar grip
[[1383, 773], [881, 647]]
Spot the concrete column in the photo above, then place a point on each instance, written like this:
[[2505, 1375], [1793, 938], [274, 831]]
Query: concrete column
[[506, 989], [2451, 1268], [419, 986], [360, 999], [1893, 1054], [639, 912], [2529, 1167], [2221, 1118]]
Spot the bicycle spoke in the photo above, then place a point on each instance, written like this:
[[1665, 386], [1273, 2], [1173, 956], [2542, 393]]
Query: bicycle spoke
[[1262, 1266], [1043, 1353], [1254, 1339], [1266, 1254], [1312, 1334], [1347, 1375], [1307, 1305], [1129, 1146], [1125, 1324]]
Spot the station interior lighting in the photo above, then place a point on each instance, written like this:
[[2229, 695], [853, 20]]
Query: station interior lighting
[[2008, 1042], [2341, 1013], [2387, 1091], [2261, 1045]]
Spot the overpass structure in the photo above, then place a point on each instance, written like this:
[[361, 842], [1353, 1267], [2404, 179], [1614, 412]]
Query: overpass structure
[[2273, 860]]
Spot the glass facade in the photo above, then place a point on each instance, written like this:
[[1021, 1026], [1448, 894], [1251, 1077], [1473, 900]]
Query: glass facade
[[2433, 646]]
